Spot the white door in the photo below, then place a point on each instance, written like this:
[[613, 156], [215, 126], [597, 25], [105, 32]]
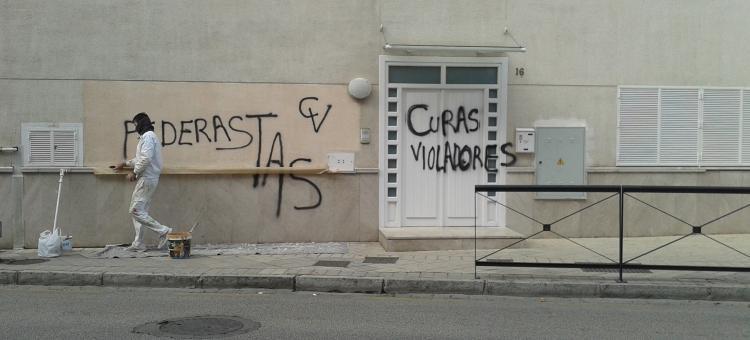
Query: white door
[[443, 155]]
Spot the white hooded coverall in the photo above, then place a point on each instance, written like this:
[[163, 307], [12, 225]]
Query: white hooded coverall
[[147, 168]]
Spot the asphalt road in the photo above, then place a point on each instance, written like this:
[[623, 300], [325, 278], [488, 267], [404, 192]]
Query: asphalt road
[[35, 312]]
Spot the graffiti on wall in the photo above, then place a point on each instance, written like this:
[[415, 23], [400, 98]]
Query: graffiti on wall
[[239, 132], [451, 156], [306, 110]]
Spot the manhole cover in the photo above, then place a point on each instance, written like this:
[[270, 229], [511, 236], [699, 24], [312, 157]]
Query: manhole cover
[[384, 259], [199, 327], [324, 263], [23, 262]]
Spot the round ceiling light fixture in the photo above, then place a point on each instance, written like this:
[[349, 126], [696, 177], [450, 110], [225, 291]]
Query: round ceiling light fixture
[[360, 88]]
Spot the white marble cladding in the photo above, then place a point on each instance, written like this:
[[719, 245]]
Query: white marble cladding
[[7, 210], [94, 209]]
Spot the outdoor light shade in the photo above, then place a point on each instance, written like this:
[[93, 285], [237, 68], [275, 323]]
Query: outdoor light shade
[[476, 49], [359, 88]]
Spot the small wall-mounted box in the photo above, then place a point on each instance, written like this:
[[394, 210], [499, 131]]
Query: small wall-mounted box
[[341, 162], [364, 136], [524, 140]]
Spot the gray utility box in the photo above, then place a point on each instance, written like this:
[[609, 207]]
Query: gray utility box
[[560, 160]]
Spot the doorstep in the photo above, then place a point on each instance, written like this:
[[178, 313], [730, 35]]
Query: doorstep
[[446, 238]]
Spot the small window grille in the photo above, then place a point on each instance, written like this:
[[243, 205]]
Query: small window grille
[[52, 145]]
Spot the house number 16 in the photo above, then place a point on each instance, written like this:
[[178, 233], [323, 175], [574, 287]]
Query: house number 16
[[519, 71]]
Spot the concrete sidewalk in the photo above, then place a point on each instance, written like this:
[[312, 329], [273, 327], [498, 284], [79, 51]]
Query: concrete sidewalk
[[435, 272]]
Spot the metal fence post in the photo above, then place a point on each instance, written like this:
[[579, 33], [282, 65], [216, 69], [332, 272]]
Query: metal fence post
[[475, 235], [622, 234]]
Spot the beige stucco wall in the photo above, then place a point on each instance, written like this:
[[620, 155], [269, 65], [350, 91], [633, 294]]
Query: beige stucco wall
[[579, 51]]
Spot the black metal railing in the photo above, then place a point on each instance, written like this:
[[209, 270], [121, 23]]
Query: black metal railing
[[620, 191]]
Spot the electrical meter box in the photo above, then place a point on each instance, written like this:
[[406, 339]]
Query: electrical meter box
[[524, 140], [560, 157]]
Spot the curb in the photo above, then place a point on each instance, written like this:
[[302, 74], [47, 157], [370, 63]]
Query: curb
[[468, 287], [542, 288], [339, 284], [8, 277], [378, 285], [150, 280], [730, 293], [53, 278], [237, 281], [675, 291]]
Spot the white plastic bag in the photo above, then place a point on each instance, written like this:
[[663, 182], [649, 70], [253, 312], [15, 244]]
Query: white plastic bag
[[50, 244]]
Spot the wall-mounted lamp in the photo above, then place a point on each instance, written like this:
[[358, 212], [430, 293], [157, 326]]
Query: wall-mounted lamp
[[439, 48], [360, 88], [8, 149]]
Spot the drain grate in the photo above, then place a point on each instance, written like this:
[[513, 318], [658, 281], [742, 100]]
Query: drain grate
[[615, 270], [380, 260], [324, 263], [199, 327], [23, 262], [499, 260], [612, 270]]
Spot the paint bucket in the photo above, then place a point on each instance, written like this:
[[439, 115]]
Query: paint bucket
[[67, 244], [179, 244]]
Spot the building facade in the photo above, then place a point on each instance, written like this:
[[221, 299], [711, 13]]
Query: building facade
[[336, 120]]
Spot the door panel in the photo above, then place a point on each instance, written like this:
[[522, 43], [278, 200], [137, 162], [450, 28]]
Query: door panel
[[465, 136], [420, 187]]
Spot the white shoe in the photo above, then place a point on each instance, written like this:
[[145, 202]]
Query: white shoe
[[135, 248], [163, 239]]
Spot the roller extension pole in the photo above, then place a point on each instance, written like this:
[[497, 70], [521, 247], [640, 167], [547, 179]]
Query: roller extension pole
[[57, 205]]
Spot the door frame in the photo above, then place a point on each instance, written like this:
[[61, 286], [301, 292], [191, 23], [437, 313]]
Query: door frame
[[388, 207]]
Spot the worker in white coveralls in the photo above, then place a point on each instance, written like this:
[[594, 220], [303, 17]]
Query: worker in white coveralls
[[146, 170]]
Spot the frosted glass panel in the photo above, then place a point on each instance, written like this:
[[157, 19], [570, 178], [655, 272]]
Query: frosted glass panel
[[471, 75], [414, 74]]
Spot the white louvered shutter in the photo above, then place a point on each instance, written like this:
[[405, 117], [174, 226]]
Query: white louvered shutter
[[721, 126], [679, 123], [64, 146], [52, 145], [746, 127], [39, 147], [638, 130]]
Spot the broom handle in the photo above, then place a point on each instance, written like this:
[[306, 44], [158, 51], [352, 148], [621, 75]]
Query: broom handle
[[57, 205]]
